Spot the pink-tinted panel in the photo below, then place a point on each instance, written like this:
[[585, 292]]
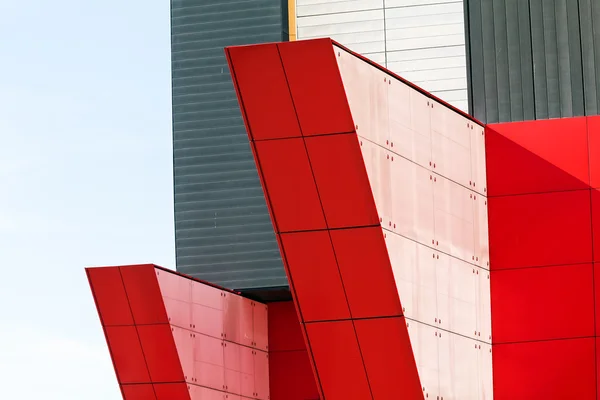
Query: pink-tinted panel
[[161, 353], [316, 87], [459, 372], [261, 375], [556, 369], [179, 312], [338, 360], [285, 333], [233, 367], [342, 181], [290, 185], [367, 91], [109, 295], [424, 341], [378, 166], [184, 343], [143, 391], [526, 301], [207, 320], [261, 327], [207, 295], [202, 393], [263, 90], [209, 364], [247, 356], [450, 158], [144, 294], [373, 294], [291, 376], [453, 212], [412, 201], [484, 307], [247, 322], [388, 358], [478, 161], [172, 391], [414, 274], [540, 229], [410, 131], [486, 381], [237, 319], [546, 155], [174, 286], [593, 131], [314, 276], [127, 354], [481, 232]]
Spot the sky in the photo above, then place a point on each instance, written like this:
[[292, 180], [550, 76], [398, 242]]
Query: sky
[[85, 180]]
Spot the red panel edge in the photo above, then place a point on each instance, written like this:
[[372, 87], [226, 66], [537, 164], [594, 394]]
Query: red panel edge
[[237, 92]]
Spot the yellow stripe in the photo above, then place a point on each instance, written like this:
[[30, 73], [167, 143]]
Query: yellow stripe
[[292, 19]]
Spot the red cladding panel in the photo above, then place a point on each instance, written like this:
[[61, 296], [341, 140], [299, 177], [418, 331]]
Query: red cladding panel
[[366, 272], [597, 296], [172, 391], [595, 199], [526, 302], [285, 333], [342, 181], [138, 392], [127, 354], [389, 358], [550, 370], [290, 185], [338, 360], [144, 294], [291, 376], [316, 85], [315, 276], [264, 92], [593, 126], [545, 155], [539, 230], [161, 354], [109, 295]]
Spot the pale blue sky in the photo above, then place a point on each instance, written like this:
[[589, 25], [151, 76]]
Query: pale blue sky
[[85, 179]]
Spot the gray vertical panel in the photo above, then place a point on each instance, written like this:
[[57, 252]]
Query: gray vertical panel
[[587, 53], [475, 44], [513, 34], [526, 62], [574, 48], [564, 64], [489, 62], [502, 76], [222, 227], [540, 82], [596, 30], [551, 54]]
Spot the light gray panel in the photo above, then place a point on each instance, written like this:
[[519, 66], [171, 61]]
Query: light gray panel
[[513, 35], [527, 67], [575, 59], [489, 62], [564, 65], [501, 48], [587, 54]]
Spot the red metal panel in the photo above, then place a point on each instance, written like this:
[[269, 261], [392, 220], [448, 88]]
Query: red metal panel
[[338, 360], [316, 86], [527, 301], [540, 229], [342, 181], [290, 185], [261, 326], [262, 87], [595, 201], [285, 333], [291, 376], [109, 295], [184, 341], [315, 276], [233, 367], [388, 358], [552, 370], [261, 375], [127, 354], [172, 391], [372, 293], [545, 155], [144, 294], [208, 359], [161, 354], [593, 131], [144, 391], [247, 371]]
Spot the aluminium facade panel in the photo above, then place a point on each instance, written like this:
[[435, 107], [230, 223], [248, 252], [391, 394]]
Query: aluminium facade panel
[[222, 226], [533, 59], [421, 40]]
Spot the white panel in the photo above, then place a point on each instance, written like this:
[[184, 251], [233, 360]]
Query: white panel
[[449, 95], [462, 105], [330, 7], [367, 93], [427, 64], [404, 3], [434, 74], [424, 341], [339, 18], [379, 58], [367, 47], [412, 200], [330, 29], [418, 54], [439, 8], [445, 84], [459, 367], [378, 168], [423, 20], [424, 31], [433, 41]]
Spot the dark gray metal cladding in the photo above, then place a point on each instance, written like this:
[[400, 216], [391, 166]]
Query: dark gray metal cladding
[[533, 59], [222, 226]]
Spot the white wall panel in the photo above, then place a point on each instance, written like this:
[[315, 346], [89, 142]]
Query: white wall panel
[[332, 7]]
